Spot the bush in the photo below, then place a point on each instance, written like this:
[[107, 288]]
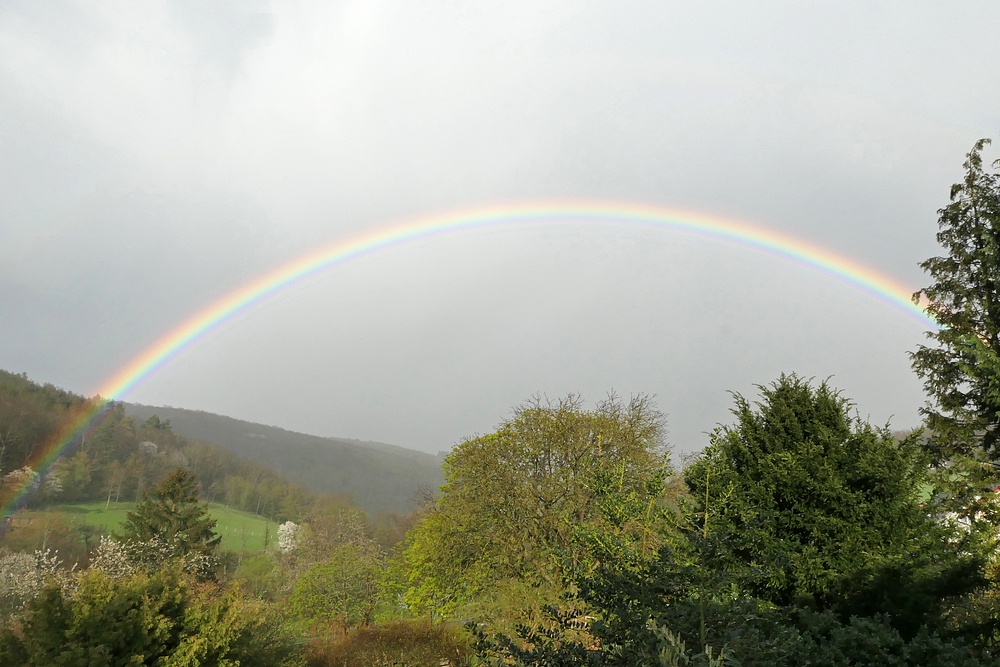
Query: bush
[[163, 619], [415, 643], [344, 587]]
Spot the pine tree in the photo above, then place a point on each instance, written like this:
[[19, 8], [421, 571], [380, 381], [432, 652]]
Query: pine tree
[[173, 511], [961, 373]]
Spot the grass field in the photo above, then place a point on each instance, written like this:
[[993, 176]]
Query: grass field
[[240, 530]]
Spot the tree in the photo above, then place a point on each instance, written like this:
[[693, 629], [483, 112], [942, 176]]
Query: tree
[[513, 500], [172, 511], [815, 508], [961, 372], [343, 588], [75, 473]]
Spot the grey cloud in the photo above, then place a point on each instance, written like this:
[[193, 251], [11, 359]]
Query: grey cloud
[[155, 155]]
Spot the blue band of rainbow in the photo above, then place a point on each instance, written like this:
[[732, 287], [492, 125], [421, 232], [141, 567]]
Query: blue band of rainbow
[[288, 275]]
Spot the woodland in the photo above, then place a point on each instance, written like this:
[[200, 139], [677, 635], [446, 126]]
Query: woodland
[[377, 476], [568, 536]]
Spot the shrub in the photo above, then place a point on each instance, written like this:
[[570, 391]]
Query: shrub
[[414, 643], [122, 559], [344, 587], [162, 619]]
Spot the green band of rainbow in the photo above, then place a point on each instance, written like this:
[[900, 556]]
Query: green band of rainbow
[[572, 212]]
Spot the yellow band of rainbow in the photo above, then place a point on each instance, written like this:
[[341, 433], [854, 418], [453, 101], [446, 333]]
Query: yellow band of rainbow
[[576, 212]]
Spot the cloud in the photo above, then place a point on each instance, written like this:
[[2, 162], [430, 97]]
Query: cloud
[[155, 155]]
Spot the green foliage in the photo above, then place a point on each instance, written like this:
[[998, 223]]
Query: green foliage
[[29, 413], [51, 532], [337, 570], [344, 588], [802, 540], [560, 646], [819, 509], [145, 620], [156, 424], [961, 372], [173, 512], [75, 473], [825, 639], [747, 639], [259, 574], [73, 529], [245, 485], [513, 500], [120, 459]]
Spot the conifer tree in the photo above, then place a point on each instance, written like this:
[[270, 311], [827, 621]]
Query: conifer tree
[[812, 506], [961, 372], [173, 511]]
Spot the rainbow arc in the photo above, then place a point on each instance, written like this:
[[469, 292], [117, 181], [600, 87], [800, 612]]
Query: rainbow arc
[[287, 276]]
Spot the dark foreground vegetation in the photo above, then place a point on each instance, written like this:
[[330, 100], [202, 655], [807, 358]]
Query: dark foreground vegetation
[[802, 535]]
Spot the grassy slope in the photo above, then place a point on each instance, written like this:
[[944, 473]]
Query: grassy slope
[[233, 525]]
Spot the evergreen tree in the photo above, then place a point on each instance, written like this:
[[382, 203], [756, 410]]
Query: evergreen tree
[[806, 505], [961, 372], [172, 511]]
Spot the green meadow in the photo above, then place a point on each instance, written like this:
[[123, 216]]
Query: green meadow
[[241, 531]]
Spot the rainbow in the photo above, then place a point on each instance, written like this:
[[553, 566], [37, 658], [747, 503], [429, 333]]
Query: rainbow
[[295, 272]]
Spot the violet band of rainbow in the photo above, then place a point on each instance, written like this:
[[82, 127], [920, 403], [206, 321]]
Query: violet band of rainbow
[[288, 275]]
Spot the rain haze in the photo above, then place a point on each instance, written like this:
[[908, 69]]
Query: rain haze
[[155, 156]]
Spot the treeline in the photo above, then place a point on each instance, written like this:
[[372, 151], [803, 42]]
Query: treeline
[[377, 477], [120, 459]]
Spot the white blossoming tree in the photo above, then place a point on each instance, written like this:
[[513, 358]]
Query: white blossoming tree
[[24, 575], [25, 476], [288, 537], [120, 559]]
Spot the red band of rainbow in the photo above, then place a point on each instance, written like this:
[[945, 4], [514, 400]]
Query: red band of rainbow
[[312, 263]]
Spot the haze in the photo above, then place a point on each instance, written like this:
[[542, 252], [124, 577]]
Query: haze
[[154, 156]]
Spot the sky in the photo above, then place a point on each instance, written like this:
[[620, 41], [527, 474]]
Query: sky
[[155, 156]]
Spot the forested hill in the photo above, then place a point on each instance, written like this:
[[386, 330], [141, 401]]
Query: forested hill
[[377, 476]]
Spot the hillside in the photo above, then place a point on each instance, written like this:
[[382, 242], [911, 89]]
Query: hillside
[[376, 475], [121, 458]]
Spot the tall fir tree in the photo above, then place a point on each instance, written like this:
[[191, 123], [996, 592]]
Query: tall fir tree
[[173, 511], [961, 371]]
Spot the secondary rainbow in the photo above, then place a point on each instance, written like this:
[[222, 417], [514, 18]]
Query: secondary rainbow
[[298, 270]]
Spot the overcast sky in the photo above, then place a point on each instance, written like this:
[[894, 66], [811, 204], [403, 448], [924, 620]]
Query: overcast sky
[[154, 156]]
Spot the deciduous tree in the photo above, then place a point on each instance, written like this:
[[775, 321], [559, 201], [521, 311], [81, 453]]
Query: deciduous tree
[[513, 500]]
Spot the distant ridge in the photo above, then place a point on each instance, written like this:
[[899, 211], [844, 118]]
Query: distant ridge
[[376, 475]]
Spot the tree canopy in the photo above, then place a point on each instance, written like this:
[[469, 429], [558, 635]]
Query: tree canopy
[[513, 500], [159, 619]]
